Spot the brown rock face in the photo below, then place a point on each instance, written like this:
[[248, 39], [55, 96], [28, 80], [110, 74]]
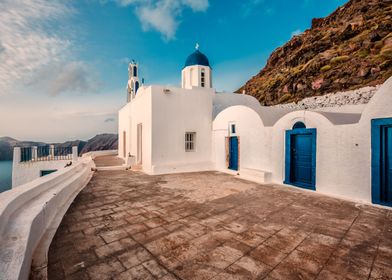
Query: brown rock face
[[349, 49]]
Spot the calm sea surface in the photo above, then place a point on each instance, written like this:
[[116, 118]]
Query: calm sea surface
[[5, 175]]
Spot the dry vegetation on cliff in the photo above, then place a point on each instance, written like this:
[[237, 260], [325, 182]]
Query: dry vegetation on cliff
[[350, 49]]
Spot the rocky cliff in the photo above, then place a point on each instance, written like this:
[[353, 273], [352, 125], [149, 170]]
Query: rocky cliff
[[349, 49]]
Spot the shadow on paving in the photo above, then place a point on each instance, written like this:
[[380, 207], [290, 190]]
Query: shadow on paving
[[128, 225]]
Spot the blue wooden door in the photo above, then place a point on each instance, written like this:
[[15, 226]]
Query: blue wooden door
[[386, 170], [233, 153], [301, 159]]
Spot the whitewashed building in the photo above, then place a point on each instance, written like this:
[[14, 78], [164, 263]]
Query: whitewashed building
[[344, 152]]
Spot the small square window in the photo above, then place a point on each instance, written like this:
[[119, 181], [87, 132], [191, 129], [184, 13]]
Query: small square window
[[232, 129], [190, 138]]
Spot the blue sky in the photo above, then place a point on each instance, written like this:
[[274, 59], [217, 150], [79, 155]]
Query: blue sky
[[63, 67]]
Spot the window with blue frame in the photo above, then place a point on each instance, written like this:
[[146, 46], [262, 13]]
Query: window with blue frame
[[47, 172]]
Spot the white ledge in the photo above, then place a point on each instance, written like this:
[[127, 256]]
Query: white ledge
[[30, 215]]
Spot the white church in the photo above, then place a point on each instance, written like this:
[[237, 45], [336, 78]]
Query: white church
[[341, 151]]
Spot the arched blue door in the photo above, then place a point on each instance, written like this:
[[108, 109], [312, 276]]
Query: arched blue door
[[300, 158], [382, 161], [387, 176], [233, 153]]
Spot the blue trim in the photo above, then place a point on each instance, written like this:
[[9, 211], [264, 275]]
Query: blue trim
[[377, 126], [289, 134], [233, 153], [298, 125]]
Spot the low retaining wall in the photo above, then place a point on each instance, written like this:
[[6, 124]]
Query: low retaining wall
[[95, 154], [30, 216], [23, 173]]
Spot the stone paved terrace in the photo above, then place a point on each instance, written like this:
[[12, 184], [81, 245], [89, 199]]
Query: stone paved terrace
[[105, 161], [128, 225]]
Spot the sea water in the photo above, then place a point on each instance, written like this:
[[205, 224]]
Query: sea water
[[5, 175]]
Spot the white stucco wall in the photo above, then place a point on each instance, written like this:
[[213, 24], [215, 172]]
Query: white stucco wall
[[191, 76], [175, 113], [343, 159], [137, 112], [253, 147], [24, 172], [27, 171], [124, 125], [342, 153]]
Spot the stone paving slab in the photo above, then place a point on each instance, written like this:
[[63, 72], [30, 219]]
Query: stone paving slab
[[128, 225], [110, 160]]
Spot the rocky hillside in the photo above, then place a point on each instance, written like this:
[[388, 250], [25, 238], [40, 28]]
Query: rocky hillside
[[350, 49], [101, 142], [97, 143]]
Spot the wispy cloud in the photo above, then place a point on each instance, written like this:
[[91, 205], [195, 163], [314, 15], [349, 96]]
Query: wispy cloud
[[35, 54], [296, 32], [66, 77], [163, 15], [27, 44]]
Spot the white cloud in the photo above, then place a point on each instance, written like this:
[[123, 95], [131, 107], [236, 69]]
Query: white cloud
[[197, 5], [65, 77], [296, 32], [163, 15], [26, 45]]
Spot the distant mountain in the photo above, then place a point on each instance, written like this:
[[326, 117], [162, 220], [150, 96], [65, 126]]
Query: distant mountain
[[7, 145], [101, 142], [97, 143], [349, 49]]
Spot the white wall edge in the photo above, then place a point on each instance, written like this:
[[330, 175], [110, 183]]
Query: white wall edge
[[30, 216]]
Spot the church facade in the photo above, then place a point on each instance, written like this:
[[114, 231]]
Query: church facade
[[343, 152]]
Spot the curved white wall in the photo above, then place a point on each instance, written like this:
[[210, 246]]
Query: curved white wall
[[30, 215], [342, 155], [251, 132], [343, 151], [380, 106]]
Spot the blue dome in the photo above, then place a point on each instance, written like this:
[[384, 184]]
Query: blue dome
[[197, 58]]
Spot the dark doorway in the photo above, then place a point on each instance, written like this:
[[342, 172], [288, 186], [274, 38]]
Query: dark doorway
[[233, 153]]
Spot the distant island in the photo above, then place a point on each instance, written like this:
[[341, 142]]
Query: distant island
[[99, 142]]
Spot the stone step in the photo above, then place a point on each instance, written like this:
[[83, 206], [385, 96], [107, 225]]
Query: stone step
[[255, 175]]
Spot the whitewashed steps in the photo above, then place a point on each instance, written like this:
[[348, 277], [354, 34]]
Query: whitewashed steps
[[255, 175]]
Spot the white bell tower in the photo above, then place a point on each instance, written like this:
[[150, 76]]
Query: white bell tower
[[133, 80], [197, 71]]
